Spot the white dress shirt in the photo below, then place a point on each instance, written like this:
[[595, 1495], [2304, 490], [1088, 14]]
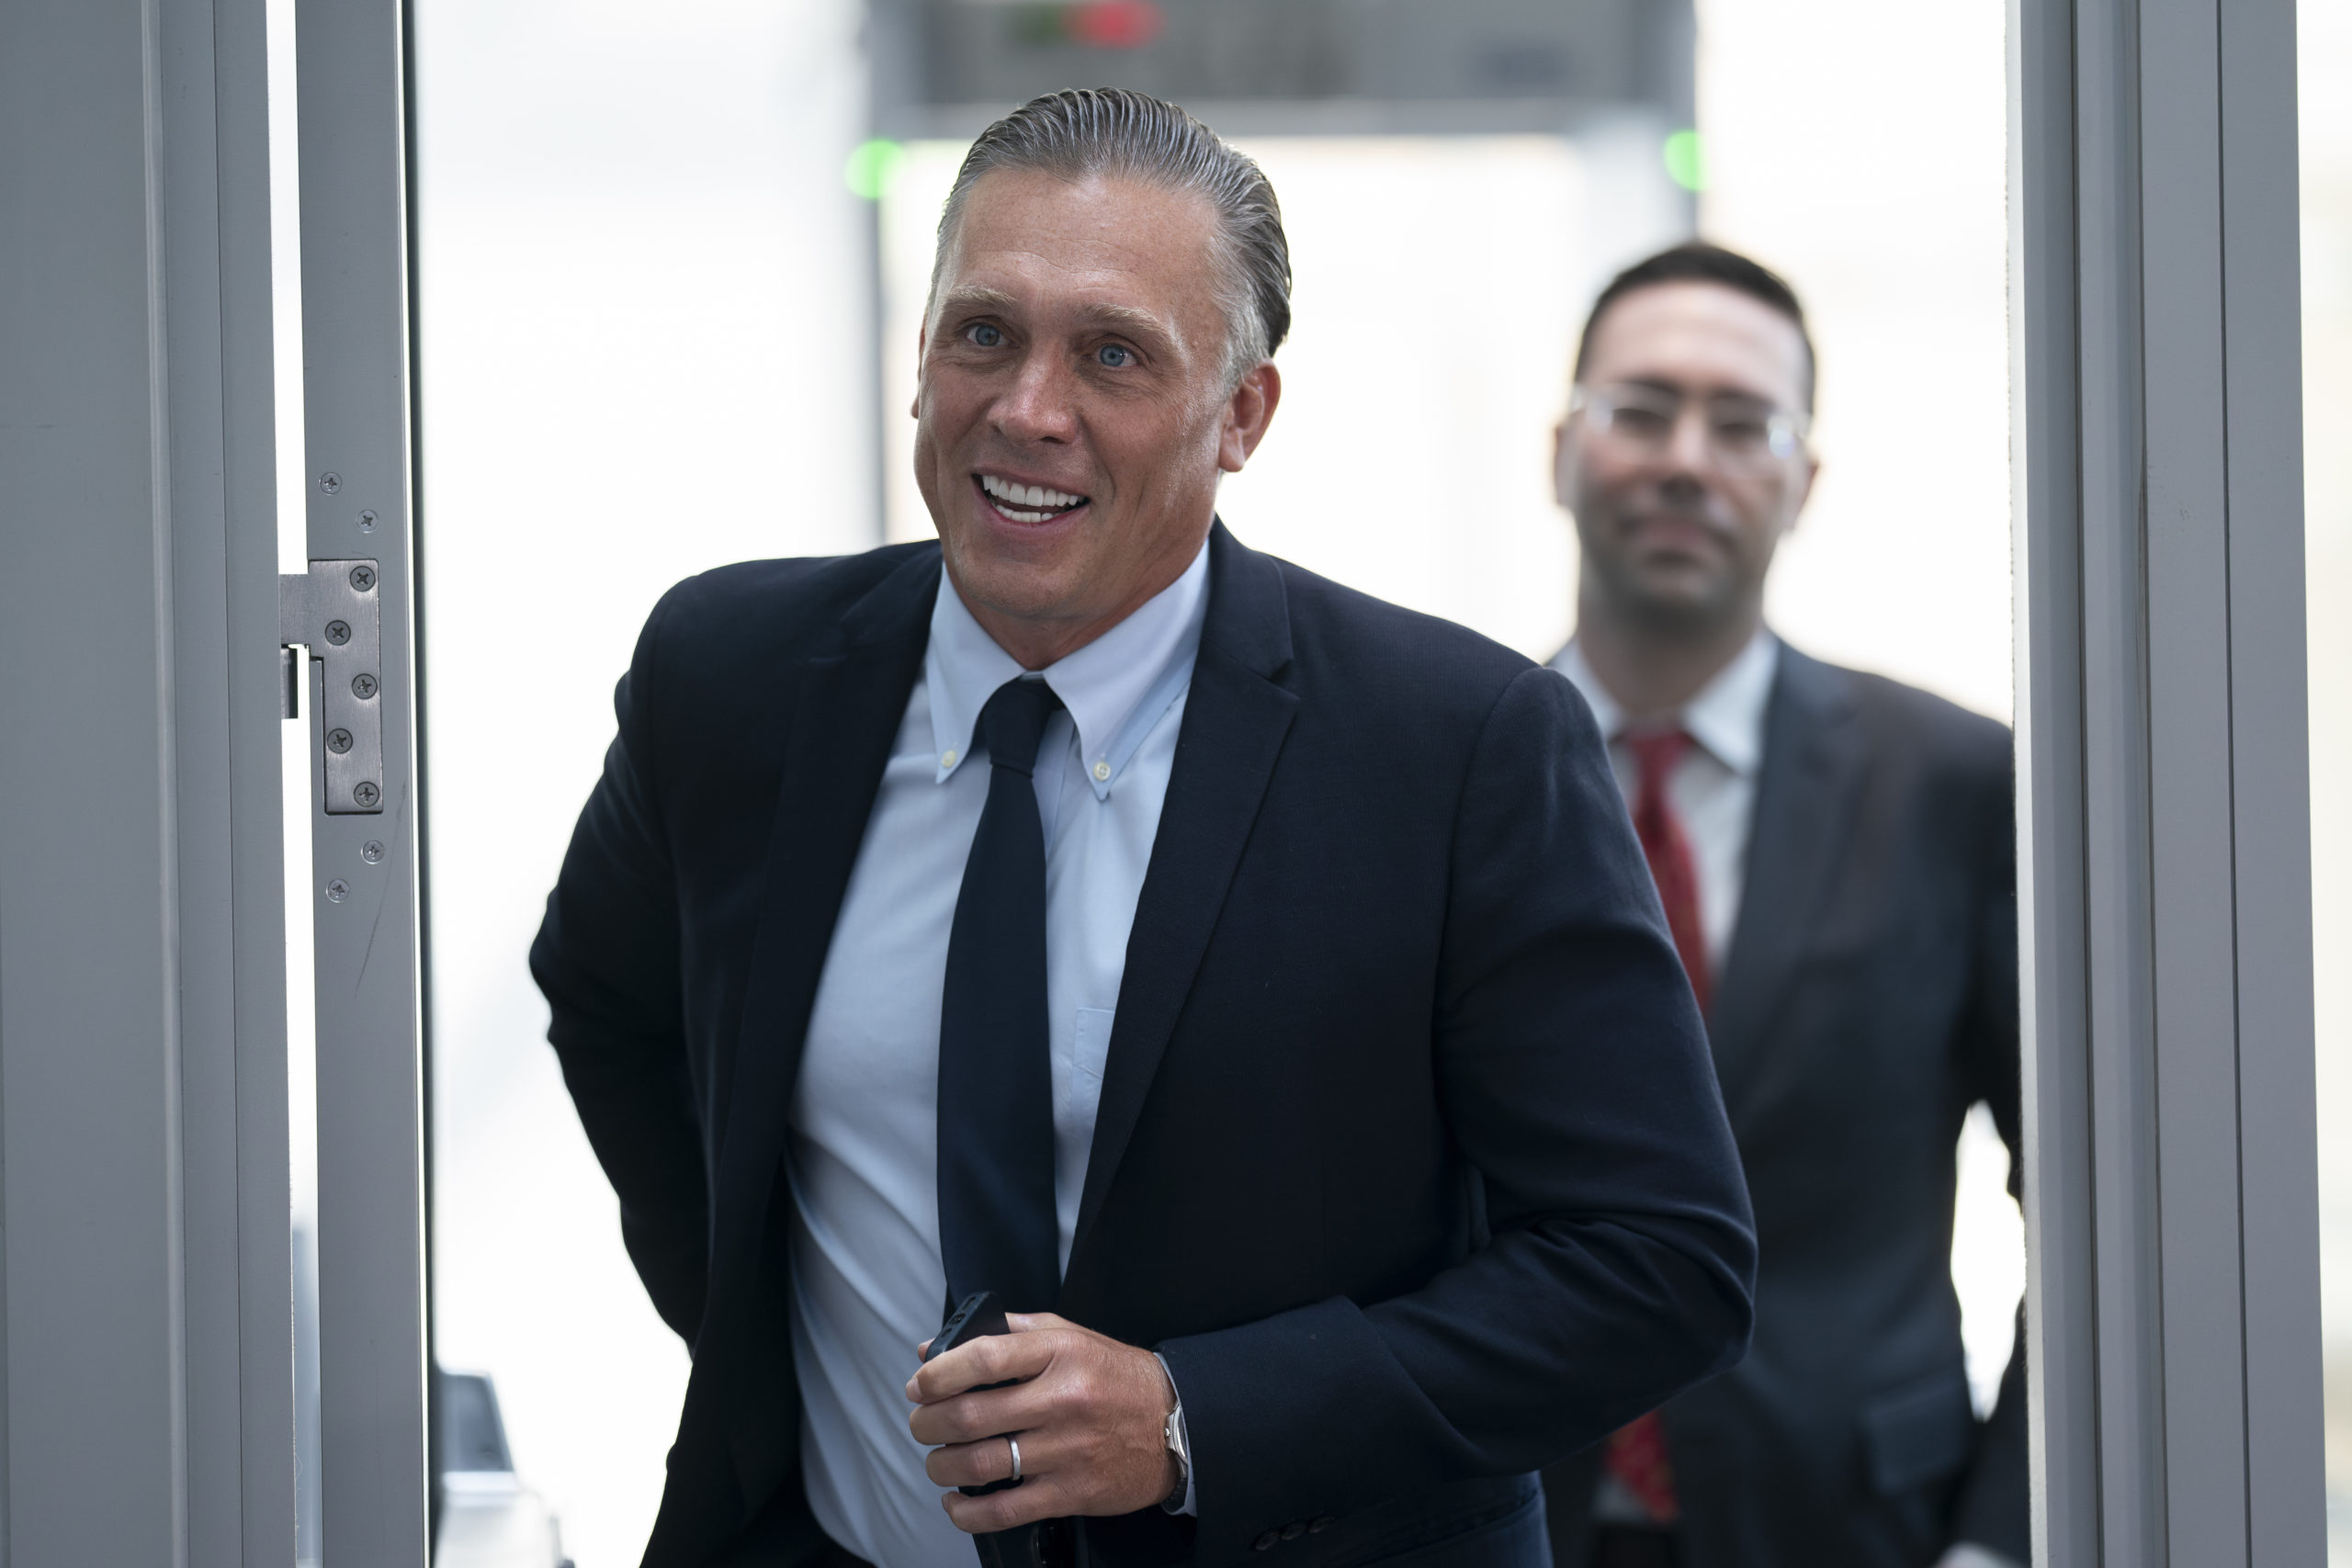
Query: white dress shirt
[[1713, 786], [868, 1285]]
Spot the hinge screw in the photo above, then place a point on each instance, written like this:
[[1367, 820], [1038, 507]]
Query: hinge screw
[[366, 522], [330, 483], [363, 578], [363, 687], [338, 890], [338, 741], [372, 852], [338, 632], [365, 793]]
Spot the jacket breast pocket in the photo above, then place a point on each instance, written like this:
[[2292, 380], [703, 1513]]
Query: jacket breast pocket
[[1918, 1433]]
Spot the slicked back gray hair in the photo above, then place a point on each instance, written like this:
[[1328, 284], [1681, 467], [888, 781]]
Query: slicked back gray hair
[[1110, 132]]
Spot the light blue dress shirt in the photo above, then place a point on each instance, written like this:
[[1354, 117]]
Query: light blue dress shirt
[[868, 1285]]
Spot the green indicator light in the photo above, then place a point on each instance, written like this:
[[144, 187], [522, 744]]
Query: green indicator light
[[1686, 160], [1036, 25], [871, 168]]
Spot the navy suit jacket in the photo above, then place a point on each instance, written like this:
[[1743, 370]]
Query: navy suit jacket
[[1409, 1157], [1869, 998]]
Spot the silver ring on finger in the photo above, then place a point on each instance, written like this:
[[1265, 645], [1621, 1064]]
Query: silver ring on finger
[[1014, 1444]]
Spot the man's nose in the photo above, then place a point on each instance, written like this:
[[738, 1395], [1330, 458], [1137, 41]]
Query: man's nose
[[1688, 448], [1038, 405], [1681, 487]]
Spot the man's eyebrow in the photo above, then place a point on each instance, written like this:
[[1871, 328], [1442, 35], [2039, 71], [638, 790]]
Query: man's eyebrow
[[1128, 318], [1141, 322], [1711, 394], [976, 299]]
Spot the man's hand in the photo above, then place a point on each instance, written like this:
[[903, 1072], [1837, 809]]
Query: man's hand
[[1090, 1414]]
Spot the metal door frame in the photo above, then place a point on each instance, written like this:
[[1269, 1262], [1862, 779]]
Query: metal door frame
[[2163, 819], [351, 73], [146, 1316], [146, 1391]]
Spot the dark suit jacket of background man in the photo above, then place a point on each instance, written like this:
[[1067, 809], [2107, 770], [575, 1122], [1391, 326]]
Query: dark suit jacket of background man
[[1410, 1156], [1869, 997]]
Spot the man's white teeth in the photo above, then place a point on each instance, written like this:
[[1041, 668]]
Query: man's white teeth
[[1030, 496]]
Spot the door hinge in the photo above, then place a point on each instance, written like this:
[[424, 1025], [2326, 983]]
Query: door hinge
[[332, 610]]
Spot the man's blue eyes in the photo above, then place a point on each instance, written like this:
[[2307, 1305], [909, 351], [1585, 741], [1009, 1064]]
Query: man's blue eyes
[[1112, 355]]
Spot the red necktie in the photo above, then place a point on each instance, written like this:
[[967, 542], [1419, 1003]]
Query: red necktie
[[1635, 1455], [1667, 849]]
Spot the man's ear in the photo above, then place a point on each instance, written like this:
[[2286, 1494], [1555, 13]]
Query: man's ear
[[1247, 413], [923, 342], [1560, 466]]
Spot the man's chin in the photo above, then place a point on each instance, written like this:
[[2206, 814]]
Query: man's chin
[[1680, 603], [1022, 588]]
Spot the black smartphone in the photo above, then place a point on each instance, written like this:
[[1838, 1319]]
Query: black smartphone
[[975, 1317]]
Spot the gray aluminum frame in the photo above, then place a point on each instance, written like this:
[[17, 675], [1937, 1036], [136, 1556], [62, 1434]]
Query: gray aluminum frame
[[373, 1489], [146, 1319], [145, 1326], [2164, 850]]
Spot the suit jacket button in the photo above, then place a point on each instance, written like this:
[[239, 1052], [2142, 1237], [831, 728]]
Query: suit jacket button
[[1293, 1531], [1320, 1525], [1266, 1542]]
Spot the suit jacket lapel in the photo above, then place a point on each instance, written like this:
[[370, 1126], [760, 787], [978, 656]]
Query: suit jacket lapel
[[1812, 765], [1234, 719], [850, 701]]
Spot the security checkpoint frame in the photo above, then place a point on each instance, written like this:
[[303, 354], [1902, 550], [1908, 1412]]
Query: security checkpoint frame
[[145, 1326]]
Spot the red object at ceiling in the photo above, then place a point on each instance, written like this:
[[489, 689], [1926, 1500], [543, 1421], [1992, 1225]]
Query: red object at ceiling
[[1112, 24]]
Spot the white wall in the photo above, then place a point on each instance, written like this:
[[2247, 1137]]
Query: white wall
[[1859, 150], [646, 352]]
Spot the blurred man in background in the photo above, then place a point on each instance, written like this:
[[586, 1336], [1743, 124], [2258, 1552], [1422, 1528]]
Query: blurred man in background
[[1835, 854]]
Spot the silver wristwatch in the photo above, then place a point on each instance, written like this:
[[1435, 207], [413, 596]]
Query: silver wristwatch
[[1181, 1447], [1179, 1444]]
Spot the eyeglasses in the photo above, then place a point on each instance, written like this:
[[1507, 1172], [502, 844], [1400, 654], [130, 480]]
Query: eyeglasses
[[1742, 432]]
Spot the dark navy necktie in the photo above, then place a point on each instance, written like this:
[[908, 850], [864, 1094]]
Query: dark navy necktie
[[997, 1227]]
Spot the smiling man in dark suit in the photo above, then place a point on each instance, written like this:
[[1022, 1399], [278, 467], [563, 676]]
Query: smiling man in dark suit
[[1834, 854], [1256, 985]]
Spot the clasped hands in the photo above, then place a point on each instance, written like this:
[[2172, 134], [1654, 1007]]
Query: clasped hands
[[1090, 1414]]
